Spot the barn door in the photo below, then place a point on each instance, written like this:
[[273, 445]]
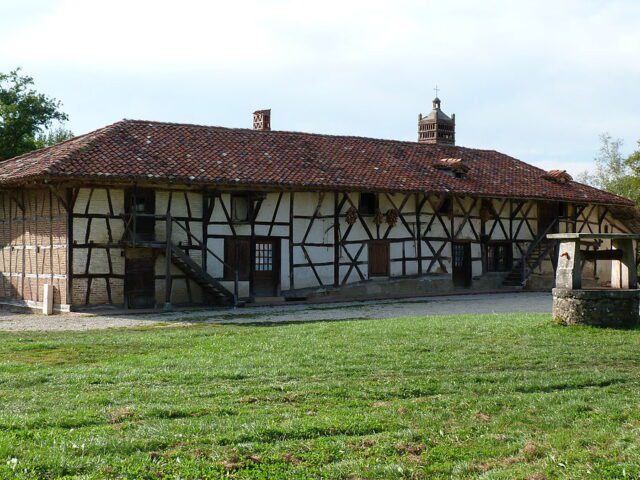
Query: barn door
[[266, 267], [139, 278], [461, 258]]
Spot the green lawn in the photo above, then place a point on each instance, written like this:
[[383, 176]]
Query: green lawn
[[497, 396]]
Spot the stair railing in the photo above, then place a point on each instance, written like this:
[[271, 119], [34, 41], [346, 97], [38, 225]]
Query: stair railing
[[525, 267]]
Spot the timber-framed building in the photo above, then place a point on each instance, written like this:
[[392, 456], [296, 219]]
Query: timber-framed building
[[144, 214]]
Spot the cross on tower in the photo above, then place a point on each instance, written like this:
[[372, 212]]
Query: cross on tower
[[436, 90]]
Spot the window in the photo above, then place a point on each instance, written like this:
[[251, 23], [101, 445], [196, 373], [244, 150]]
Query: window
[[563, 210], [379, 258], [264, 256], [368, 203], [140, 201], [240, 208], [445, 206], [237, 255], [499, 258]]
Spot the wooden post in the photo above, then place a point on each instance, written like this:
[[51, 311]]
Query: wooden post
[[336, 242], [252, 251], [167, 271], [51, 237], [69, 246], [291, 194], [135, 217], [236, 279], [205, 223], [418, 233]]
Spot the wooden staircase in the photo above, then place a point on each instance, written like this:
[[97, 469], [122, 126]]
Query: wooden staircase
[[538, 250], [216, 292]]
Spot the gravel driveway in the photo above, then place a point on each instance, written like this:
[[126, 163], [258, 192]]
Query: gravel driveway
[[454, 304]]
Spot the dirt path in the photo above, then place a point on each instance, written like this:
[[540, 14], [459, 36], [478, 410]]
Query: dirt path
[[455, 304]]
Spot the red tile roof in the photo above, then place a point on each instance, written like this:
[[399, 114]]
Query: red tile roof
[[176, 153]]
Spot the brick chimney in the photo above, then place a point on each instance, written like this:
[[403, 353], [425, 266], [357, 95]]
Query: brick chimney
[[262, 120]]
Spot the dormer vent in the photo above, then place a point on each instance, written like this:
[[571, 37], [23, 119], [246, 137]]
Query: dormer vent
[[453, 166], [262, 120], [558, 176]]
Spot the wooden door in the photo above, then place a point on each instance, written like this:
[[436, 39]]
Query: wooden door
[[547, 214], [140, 278], [266, 267], [379, 258], [461, 260]]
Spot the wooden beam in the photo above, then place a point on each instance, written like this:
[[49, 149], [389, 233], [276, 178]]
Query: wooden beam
[[206, 216], [291, 285], [418, 236], [354, 264], [336, 241], [602, 255], [275, 214], [69, 207], [167, 264], [252, 248]]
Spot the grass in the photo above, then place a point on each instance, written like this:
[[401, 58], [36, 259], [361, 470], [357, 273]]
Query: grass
[[492, 396]]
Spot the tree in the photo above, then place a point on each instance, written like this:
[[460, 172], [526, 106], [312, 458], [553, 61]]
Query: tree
[[53, 136], [615, 173], [25, 115]]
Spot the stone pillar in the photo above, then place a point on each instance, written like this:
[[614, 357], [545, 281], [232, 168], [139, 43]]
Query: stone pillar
[[47, 300], [569, 271], [623, 271]]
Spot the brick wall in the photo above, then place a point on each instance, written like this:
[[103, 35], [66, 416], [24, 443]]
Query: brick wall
[[33, 225]]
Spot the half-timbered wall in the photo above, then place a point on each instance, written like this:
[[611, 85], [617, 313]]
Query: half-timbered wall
[[271, 218], [33, 238], [323, 239], [420, 239], [186, 208], [97, 257], [317, 231]]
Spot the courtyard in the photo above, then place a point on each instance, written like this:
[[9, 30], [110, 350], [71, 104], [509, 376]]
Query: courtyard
[[409, 307]]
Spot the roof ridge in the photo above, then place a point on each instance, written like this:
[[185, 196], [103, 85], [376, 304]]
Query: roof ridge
[[295, 132]]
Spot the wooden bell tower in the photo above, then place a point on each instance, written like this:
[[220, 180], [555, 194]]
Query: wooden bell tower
[[437, 127]]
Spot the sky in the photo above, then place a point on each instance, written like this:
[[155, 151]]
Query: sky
[[539, 80]]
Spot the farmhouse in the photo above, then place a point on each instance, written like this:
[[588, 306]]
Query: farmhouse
[[143, 214]]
